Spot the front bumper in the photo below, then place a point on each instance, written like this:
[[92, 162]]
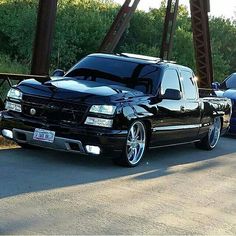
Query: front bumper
[[67, 138]]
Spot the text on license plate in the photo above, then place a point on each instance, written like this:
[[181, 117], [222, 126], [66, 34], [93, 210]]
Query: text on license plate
[[44, 135]]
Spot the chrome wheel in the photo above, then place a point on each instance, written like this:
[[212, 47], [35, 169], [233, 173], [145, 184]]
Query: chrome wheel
[[214, 132], [136, 143], [210, 141]]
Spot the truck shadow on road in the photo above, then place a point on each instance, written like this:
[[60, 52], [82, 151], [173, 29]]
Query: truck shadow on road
[[26, 171]]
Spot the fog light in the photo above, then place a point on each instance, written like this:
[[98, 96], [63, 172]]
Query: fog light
[[7, 133], [93, 149], [13, 106]]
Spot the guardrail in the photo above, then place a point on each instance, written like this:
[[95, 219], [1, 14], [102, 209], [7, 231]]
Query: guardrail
[[8, 80], [203, 92]]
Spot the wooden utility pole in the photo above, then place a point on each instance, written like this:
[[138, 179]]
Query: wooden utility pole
[[44, 37]]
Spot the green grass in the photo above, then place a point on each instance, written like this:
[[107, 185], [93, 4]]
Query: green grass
[[12, 66]]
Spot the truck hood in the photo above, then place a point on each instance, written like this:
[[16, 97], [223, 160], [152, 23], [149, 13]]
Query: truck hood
[[77, 90], [230, 93]]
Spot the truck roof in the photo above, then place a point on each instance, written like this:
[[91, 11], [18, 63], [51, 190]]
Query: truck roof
[[141, 59]]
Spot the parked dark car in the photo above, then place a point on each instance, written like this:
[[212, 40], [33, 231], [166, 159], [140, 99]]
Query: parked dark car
[[117, 105], [228, 89]]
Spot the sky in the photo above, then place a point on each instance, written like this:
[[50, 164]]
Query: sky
[[226, 8]]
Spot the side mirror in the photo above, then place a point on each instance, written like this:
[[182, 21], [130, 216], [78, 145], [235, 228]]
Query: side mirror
[[215, 86], [172, 94], [58, 73]]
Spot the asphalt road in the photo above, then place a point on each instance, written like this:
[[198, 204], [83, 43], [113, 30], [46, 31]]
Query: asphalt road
[[177, 190]]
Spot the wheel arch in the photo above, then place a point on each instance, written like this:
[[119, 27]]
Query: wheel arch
[[148, 126], [222, 122]]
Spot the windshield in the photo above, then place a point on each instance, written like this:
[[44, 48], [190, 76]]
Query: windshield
[[141, 77], [229, 83]]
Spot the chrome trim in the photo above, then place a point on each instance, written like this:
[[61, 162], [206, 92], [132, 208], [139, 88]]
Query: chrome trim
[[176, 127], [176, 144], [59, 143], [220, 113], [205, 125]]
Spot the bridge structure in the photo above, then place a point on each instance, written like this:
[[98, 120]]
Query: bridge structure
[[46, 24], [201, 35]]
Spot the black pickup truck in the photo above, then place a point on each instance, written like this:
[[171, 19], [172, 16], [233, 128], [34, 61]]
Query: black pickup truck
[[117, 105]]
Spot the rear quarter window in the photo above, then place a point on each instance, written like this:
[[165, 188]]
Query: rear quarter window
[[189, 85]]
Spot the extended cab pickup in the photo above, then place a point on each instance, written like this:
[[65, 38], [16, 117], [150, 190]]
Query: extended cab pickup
[[114, 104]]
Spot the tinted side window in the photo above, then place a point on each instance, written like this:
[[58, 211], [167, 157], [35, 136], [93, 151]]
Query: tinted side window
[[190, 90], [148, 79], [170, 80]]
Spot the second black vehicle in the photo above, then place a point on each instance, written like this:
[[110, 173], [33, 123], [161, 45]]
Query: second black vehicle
[[117, 105]]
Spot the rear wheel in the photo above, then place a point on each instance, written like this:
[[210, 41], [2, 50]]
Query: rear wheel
[[211, 140], [135, 146]]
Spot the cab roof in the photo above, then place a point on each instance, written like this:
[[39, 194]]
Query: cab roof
[[140, 59]]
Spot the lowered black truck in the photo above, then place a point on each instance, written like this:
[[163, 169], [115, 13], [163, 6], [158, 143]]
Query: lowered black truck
[[117, 105]]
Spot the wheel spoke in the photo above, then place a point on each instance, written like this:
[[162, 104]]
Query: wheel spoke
[[137, 133], [132, 132], [141, 142], [214, 132], [129, 143], [130, 154], [135, 154]]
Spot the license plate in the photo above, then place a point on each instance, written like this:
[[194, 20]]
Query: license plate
[[44, 135]]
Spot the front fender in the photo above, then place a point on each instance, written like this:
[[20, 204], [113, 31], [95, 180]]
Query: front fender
[[131, 113]]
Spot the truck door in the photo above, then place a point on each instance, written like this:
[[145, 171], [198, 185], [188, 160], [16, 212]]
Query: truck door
[[169, 127], [192, 109]]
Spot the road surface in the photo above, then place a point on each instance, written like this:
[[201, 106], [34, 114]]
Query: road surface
[[177, 190]]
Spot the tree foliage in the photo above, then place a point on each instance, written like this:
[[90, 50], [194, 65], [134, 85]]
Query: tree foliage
[[82, 24]]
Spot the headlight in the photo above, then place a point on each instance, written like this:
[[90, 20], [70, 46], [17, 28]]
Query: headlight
[[103, 109], [107, 123], [14, 94], [13, 106]]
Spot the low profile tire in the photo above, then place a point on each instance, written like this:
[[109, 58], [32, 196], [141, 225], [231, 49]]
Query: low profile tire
[[212, 138], [135, 146]]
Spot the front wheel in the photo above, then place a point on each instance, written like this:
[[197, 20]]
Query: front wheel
[[135, 146], [211, 140]]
